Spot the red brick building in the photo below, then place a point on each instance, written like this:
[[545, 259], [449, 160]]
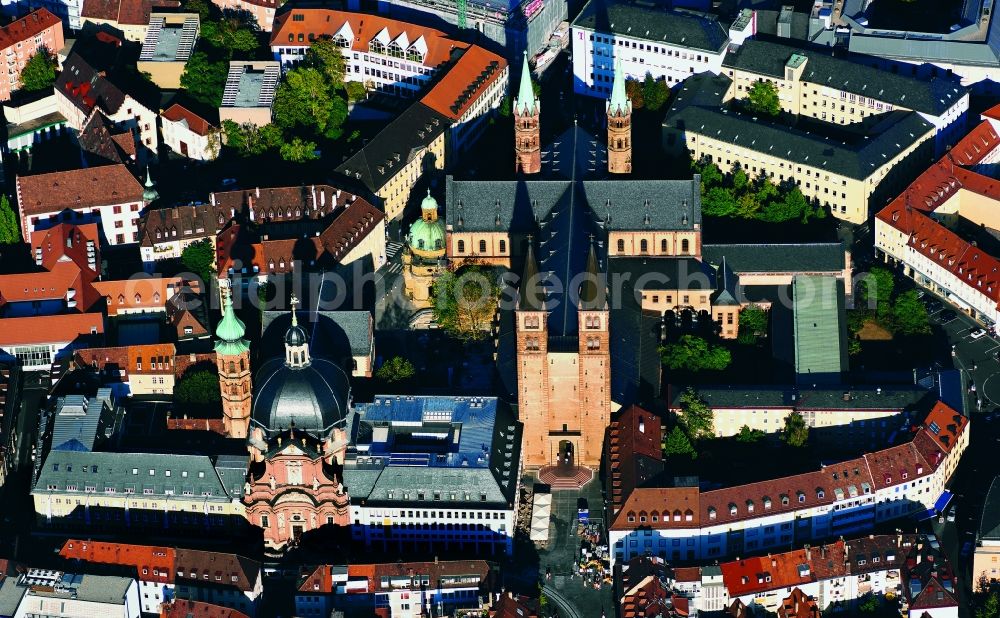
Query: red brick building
[[22, 39]]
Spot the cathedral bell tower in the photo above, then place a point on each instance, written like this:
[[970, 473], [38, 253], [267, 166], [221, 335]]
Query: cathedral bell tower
[[232, 353], [527, 136], [619, 127]]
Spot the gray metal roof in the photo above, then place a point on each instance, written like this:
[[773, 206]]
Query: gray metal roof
[[664, 273], [396, 145], [778, 258], [989, 524], [859, 159], [898, 397], [931, 96], [158, 474], [313, 398], [819, 324], [79, 421], [674, 27], [10, 595]]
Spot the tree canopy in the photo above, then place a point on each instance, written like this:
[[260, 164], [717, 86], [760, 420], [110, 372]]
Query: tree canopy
[[199, 258], [39, 71], [198, 388], [10, 227], [204, 80], [739, 196], [696, 417], [634, 91], [796, 432], [298, 150], [655, 93], [305, 100], [749, 436], [396, 369], [753, 324], [677, 443], [762, 98], [234, 32], [250, 140], [693, 353], [909, 315], [875, 291], [465, 301]]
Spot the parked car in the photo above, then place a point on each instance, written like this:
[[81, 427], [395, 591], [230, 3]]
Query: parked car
[[977, 334]]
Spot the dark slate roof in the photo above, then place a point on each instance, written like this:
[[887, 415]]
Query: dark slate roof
[[778, 258], [682, 28], [858, 160], [664, 273], [931, 96], [518, 206], [989, 525], [905, 397], [314, 398], [131, 471], [79, 421], [333, 334], [394, 146]]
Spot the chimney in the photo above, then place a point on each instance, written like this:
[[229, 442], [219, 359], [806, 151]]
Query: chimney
[[847, 395], [211, 197], [919, 555], [822, 551], [257, 190], [808, 553]]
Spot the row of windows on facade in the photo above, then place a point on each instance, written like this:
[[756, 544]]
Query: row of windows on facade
[[664, 246], [135, 471], [656, 49]]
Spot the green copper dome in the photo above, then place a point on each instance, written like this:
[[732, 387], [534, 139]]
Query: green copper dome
[[427, 235], [429, 203], [230, 332], [149, 193]]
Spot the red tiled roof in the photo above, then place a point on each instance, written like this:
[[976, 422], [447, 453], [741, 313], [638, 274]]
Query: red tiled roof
[[138, 293], [28, 27], [183, 608], [82, 188], [509, 606], [644, 599], [86, 87], [124, 12], [944, 426], [798, 605], [158, 561], [319, 581], [326, 22], [105, 359], [43, 329], [784, 570], [153, 358], [178, 113], [897, 465], [932, 595], [993, 112], [477, 69]]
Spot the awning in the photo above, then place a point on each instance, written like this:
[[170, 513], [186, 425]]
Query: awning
[[942, 502]]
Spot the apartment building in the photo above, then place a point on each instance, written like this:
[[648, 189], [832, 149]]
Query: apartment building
[[145, 369], [130, 17], [642, 39], [44, 592], [814, 84], [849, 497], [249, 92], [144, 491], [22, 39], [261, 10], [81, 88], [401, 589], [36, 341], [173, 573], [390, 163], [108, 195], [922, 229], [169, 42], [189, 134], [850, 175], [460, 492]]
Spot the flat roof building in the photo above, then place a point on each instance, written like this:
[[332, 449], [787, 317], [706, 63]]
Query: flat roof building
[[249, 92], [170, 39]]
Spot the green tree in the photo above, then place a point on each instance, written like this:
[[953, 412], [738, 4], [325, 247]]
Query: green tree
[[695, 415], [875, 292], [677, 443], [990, 606], [749, 436], [909, 315], [326, 58], [654, 93], [235, 32], [199, 258], [356, 91], [753, 324], [396, 369], [202, 7], [870, 604], [796, 432], [298, 150], [39, 71], [633, 89], [762, 98], [10, 228], [198, 388], [719, 202], [204, 80], [711, 175], [305, 99], [692, 353], [740, 179], [465, 301], [250, 140]]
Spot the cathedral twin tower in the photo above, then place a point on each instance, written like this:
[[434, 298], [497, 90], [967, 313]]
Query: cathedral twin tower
[[527, 138]]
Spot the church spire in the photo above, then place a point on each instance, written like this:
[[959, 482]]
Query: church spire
[[619, 104], [296, 342], [230, 330], [592, 297], [525, 104], [531, 294]]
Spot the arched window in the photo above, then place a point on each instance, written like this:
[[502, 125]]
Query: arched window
[[232, 367], [243, 365], [644, 245], [461, 246], [663, 246], [245, 388], [503, 246], [482, 246], [685, 246], [621, 244], [420, 243]]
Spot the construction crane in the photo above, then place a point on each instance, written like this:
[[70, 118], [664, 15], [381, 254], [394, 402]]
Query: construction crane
[[461, 6]]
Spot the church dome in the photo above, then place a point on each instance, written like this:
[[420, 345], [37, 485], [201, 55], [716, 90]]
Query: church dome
[[295, 336], [427, 237], [314, 398]]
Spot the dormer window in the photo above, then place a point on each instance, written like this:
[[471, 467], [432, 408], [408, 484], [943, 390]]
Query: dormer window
[[732, 509], [711, 513], [767, 503]]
